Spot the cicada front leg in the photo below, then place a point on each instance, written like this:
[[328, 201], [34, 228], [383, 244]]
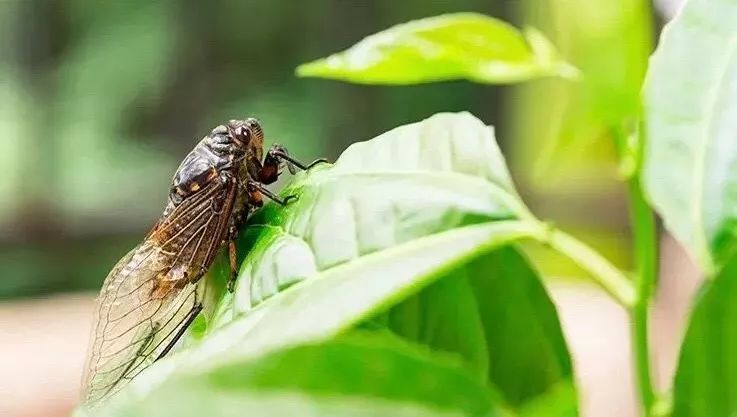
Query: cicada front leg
[[272, 162], [268, 172]]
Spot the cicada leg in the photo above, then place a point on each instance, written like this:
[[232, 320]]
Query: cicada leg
[[255, 187], [183, 328], [233, 260], [274, 156]]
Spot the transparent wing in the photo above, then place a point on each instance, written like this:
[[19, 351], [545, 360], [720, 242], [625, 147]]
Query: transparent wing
[[150, 293], [134, 320]]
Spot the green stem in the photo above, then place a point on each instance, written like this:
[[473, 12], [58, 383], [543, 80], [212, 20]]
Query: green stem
[[646, 262], [644, 231], [602, 271]]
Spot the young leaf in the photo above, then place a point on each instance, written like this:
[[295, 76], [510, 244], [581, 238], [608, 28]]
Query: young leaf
[[452, 46], [690, 160], [353, 375], [706, 378]]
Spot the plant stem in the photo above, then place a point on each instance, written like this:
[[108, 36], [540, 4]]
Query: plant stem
[[644, 231], [604, 273]]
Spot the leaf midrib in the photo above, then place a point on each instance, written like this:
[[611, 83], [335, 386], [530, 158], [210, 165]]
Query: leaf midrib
[[527, 228], [508, 197], [700, 177], [510, 230]]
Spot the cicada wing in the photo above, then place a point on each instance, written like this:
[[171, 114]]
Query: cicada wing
[[150, 293], [134, 320]]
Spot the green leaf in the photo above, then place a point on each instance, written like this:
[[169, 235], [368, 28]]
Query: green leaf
[[476, 310], [413, 181], [706, 378], [344, 295], [444, 317], [560, 401], [514, 306], [355, 375], [466, 309], [452, 46], [690, 160]]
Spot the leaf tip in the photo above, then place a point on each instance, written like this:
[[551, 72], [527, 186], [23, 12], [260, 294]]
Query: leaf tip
[[549, 56], [317, 68], [568, 71]]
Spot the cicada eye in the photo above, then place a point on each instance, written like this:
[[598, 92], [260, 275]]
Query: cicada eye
[[242, 133], [255, 127]]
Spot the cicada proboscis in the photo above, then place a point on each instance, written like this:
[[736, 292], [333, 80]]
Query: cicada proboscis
[[151, 296]]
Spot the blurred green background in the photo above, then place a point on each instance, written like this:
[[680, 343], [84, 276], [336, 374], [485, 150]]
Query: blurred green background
[[98, 104]]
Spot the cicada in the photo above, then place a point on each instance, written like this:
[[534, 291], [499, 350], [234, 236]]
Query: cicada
[[152, 294]]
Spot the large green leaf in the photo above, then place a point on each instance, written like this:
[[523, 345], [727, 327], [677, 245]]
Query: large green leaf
[[331, 302], [494, 313], [690, 160], [354, 375], [452, 46], [410, 182], [706, 378], [345, 295], [442, 173]]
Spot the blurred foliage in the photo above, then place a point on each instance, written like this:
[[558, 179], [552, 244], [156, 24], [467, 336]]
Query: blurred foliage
[[99, 104], [576, 125], [565, 136]]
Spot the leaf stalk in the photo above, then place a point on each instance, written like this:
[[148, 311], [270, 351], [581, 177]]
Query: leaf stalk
[[611, 279]]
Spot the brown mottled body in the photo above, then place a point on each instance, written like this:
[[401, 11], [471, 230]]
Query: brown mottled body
[[208, 196], [151, 295]]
